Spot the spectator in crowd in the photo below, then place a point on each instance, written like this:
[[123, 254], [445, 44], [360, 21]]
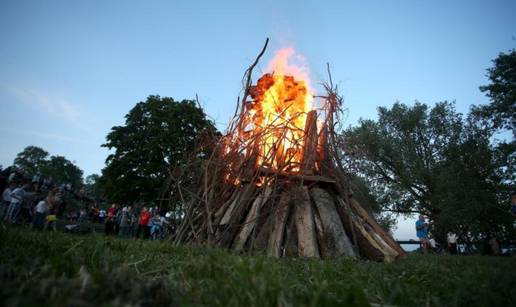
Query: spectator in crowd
[[82, 215], [40, 213], [513, 204], [451, 239], [17, 198], [143, 221], [102, 215], [94, 213], [27, 205], [125, 221], [6, 199], [51, 218], [493, 246], [118, 217], [110, 220], [422, 233], [157, 225]]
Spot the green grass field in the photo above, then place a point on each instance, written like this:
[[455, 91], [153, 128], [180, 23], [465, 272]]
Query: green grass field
[[57, 269]]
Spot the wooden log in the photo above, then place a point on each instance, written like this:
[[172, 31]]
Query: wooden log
[[367, 245], [279, 219], [346, 216], [335, 240], [319, 231], [377, 228], [260, 244], [310, 178], [309, 144], [251, 218], [322, 151], [390, 253], [291, 249], [227, 234], [223, 215], [307, 240]]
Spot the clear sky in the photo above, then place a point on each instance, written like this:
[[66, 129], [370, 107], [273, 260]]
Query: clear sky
[[70, 70]]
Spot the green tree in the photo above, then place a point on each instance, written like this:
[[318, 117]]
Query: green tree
[[92, 188], [158, 135], [31, 160], [62, 170], [501, 111], [425, 160]]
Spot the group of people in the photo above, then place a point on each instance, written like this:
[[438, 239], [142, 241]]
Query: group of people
[[491, 244], [27, 202], [148, 223], [429, 244]]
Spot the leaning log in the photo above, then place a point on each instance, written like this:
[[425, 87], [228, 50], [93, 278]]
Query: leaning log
[[251, 218], [307, 240], [309, 144], [227, 233], [357, 208], [367, 245], [278, 225], [334, 237]]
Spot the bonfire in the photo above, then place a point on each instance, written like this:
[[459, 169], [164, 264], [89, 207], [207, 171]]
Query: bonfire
[[274, 183]]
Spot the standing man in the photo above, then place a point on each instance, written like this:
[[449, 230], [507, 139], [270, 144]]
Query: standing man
[[422, 233], [143, 222], [6, 199], [17, 198], [452, 243]]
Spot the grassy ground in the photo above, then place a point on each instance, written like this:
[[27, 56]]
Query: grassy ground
[[58, 269]]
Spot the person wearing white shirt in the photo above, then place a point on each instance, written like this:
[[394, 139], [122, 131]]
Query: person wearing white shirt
[[6, 199], [451, 238], [40, 211], [17, 198]]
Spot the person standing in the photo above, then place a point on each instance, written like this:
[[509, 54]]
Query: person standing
[[17, 198], [451, 238], [110, 220], [143, 222], [124, 221], [6, 199], [40, 213], [422, 233]]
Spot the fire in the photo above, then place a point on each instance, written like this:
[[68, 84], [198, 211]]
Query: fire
[[275, 119]]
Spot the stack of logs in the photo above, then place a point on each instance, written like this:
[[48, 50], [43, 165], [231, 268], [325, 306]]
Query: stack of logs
[[306, 217], [301, 209], [310, 213]]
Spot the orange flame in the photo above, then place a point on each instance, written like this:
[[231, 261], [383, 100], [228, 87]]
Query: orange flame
[[276, 117]]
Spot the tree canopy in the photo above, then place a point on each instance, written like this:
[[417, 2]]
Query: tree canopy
[[501, 111], [33, 160], [158, 135], [418, 159]]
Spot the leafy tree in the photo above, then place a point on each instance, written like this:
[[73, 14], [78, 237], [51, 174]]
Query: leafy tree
[[62, 170], [31, 160], [501, 112], [92, 187], [157, 136], [425, 160]]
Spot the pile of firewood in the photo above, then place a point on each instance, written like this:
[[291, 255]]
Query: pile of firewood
[[281, 202]]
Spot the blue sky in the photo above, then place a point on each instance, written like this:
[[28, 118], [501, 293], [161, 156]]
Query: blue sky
[[70, 70]]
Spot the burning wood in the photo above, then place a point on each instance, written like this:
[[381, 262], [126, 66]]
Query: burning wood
[[264, 188]]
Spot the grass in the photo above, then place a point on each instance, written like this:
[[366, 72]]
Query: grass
[[58, 269]]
